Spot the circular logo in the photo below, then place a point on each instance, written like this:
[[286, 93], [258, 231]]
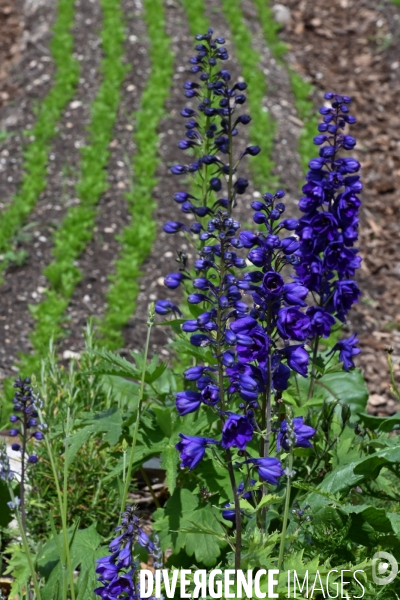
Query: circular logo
[[381, 562]]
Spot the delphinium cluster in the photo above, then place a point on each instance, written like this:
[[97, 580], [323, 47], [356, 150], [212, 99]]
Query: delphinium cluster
[[250, 318], [328, 231], [117, 572], [27, 429], [210, 131]]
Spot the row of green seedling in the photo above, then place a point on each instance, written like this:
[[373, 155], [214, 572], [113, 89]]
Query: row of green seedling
[[35, 156], [77, 227], [137, 238], [301, 89]]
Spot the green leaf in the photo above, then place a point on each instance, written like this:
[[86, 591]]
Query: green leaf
[[108, 423], [169, 461], [5, 512], [124, 392], [164, 419], [84, 547], [378, 518], [179, 513], [343, 477], [114, 364], [380, 424], [349, 388], [18, 567]]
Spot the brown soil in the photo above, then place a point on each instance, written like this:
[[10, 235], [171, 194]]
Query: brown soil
[[353, 47], [11, 29]]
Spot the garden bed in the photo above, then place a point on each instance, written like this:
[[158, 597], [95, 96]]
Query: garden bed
[[374, 84], [88, 135]]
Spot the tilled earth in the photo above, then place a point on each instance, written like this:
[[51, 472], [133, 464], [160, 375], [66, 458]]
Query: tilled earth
[[349, 46]]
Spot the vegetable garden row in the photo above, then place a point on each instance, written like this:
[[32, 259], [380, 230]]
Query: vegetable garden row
[[73, 233]]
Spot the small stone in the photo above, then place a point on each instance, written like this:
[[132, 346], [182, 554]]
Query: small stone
[[376, 400], [282, 14], [75, 104], [68, 354]]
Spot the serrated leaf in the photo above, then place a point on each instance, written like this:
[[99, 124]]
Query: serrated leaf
[[310, 488], [169, 461], [108, 423], [269, 499], [199, 528], [84, 546], [180, 511], [114, 364], [164, 419]]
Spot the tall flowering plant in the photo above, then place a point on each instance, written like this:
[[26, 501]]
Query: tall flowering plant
[[251, 317], [262, 298], [328, 230]]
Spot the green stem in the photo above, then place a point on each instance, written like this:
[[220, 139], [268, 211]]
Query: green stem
[[65, 506], [25, 544], [62, 505], [314, 359], [286, 511], [148, 483], [136, 430]]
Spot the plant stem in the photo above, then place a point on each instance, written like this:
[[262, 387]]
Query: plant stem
[[148, 483], [136, 430], [238, 517], [286, 511], [61, 503], [22, 483], [314, 358], [25, 544]]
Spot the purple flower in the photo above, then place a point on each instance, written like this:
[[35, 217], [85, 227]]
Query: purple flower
[[237, 431], [346, 293], [187, 402], [192, 449], [273, 283], [269, 469], [210, 395], [294, 293], [298, 434], [254, 348], [163, 307], [347, 349], [116, 571], [321, 321], [293, 324], [297, 358]]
